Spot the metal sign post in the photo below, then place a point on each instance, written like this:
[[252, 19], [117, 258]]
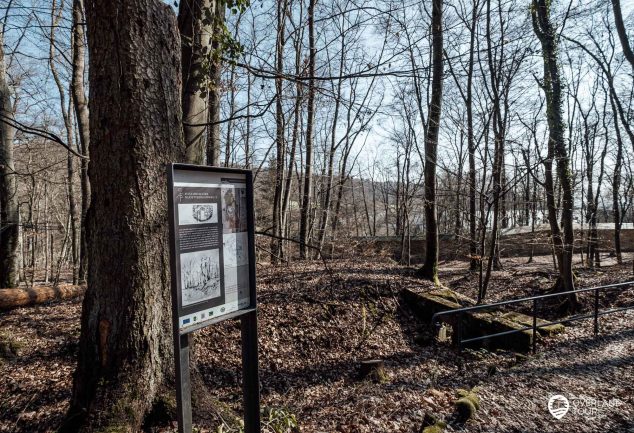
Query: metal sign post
[[212, 263]]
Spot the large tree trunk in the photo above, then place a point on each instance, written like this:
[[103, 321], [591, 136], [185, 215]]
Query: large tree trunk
[[9, 228], [125, 355], [81, 113], [195, 23], [547, 34], [215, 89], [430, 267]]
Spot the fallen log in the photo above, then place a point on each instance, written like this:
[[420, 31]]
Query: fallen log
[[13, 298]]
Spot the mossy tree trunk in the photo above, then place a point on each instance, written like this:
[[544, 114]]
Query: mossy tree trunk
[[557, 149], [126, 357]]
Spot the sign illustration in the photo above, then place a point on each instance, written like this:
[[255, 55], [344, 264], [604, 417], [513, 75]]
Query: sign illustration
[[212, 242]]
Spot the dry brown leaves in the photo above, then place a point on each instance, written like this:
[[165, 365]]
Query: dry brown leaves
[[317, 323]]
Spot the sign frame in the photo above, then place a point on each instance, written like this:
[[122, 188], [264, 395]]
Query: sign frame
[[247, 316]]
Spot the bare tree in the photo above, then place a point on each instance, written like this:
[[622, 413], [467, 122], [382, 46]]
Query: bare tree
[[429, 270], [276, 240], [557, 148], [80, 103], [9, 212], [67, 115], [622, 32], [310, 124]]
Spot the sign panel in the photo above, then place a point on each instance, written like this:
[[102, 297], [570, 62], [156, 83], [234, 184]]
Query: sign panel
[[213, 266]]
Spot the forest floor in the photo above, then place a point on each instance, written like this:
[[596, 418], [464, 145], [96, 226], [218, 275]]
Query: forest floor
[[318, 320]]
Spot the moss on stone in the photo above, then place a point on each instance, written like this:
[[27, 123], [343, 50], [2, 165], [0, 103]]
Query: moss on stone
[[525, 320], [429, 420], [452, 296], [471, 396], [118, 428], [9, 347], [465, 408]]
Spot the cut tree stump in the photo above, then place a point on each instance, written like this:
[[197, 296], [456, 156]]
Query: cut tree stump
[[373, 369], [13, 298]]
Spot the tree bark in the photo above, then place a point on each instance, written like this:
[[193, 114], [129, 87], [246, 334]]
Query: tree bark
[[547, 34], [9, 227], [276, 241], [616, 184], [498, 155], [310, 123], [82, 114], [622, 32], [70, 159], [13, 298], [429, 270], [195, 23], [125, 355]]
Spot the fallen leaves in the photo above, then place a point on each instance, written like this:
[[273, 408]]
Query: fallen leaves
[[315, 326]]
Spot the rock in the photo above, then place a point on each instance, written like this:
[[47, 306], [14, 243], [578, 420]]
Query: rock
[[426, 304], [465, 408], [525, 320], [471, 396], [9, 348], [477, 323], [431, 424]]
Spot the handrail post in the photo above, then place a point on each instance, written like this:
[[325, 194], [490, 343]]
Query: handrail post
[[534, 326], [596, 312], [459, 336]]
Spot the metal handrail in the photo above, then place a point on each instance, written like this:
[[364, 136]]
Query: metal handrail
[[461, 311]]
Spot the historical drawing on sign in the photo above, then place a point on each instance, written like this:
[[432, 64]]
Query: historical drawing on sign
[[230, 216], [211, 237], [197, 213], [200, 276], [234, 210], [235, 249], [236, 269]]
